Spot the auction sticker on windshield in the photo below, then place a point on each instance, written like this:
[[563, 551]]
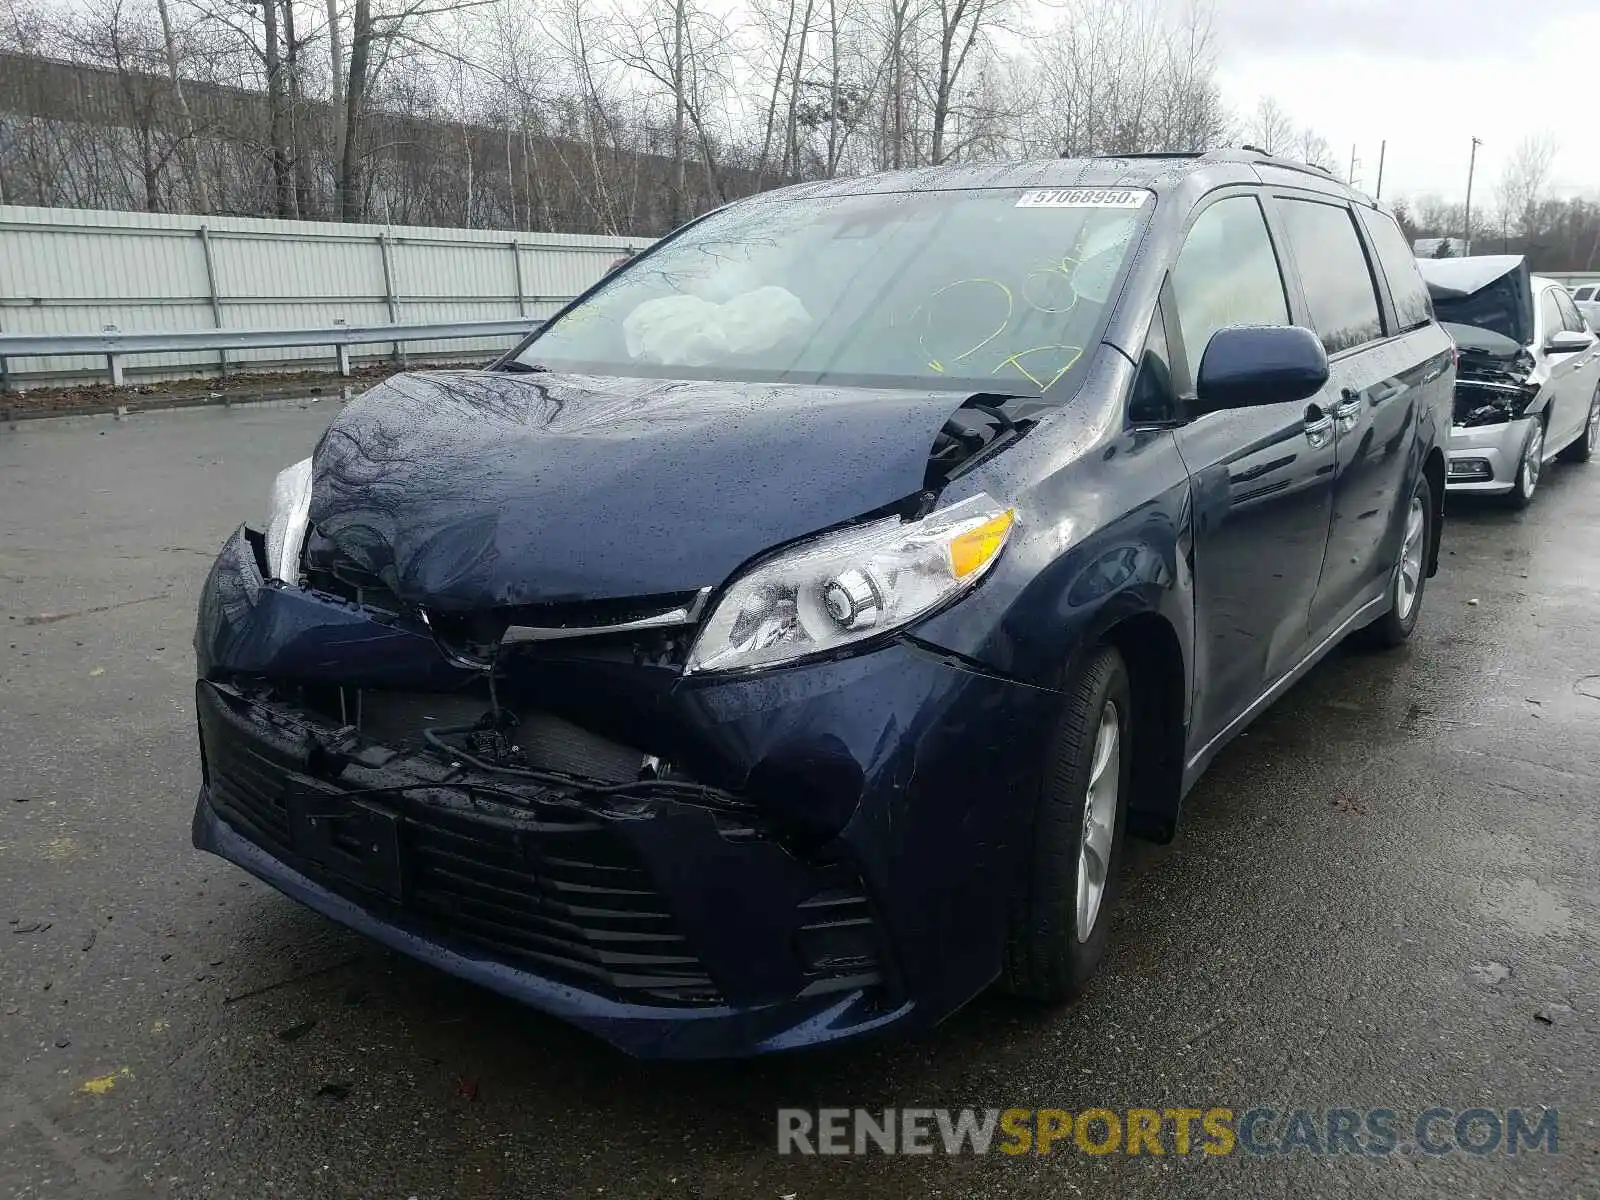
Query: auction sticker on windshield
[[1083, 198]]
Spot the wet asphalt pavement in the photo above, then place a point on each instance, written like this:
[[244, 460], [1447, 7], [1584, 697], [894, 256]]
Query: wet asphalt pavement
[[1387, 894]]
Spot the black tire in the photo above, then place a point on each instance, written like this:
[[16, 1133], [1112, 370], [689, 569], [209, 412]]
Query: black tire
[[1046, 960], [1527, 481], [1395, 626], [1583, 449]]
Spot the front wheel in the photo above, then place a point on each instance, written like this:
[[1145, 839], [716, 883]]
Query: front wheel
[[1528, 469], [1059, 925], [1410, 573]]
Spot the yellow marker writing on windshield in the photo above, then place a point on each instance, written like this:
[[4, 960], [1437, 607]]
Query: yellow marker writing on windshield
[[1014, 360]]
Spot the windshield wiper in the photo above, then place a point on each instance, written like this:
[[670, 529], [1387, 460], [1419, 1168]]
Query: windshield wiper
[[517, 366]]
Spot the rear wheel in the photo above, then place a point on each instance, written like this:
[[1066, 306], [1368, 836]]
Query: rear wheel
[[1580, 450], [1410, 573], [1059, 925], [1528, 467]]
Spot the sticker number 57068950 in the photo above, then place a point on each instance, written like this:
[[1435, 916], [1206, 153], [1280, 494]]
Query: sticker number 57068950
[[1083, 198]]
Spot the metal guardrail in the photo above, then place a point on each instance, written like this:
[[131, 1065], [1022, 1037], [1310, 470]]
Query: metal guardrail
[[115, 344]]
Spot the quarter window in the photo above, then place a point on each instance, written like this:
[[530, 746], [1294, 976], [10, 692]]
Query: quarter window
[[1153, 398], [1412, 308], [1334, 272], [1570, 317], [1227, 274]]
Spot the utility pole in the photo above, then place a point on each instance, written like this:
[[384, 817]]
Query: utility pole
[[1472, 162], [1383, 149], [1354, 162]]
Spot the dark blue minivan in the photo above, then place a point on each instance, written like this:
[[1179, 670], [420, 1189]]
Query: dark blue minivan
[[777, 646]]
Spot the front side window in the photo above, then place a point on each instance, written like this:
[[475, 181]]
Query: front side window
[[1001, 290], [1549, 315], [1412, 308], [1226, 274], [1334, 272]]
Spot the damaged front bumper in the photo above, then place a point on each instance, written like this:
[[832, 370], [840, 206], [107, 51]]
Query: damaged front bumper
[[1484, 458], [850, 870]]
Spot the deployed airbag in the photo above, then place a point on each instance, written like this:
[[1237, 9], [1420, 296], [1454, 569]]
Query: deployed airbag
[[684, 330]]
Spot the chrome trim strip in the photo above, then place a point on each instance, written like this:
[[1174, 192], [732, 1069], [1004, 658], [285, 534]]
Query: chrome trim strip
[[673, 617]]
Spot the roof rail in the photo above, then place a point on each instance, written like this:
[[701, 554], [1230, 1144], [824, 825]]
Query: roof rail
[[1240, 154], [1255, 154], [1147, 154]]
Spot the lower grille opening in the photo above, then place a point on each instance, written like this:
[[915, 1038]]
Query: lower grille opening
[[543, 886], [510, 869], [838, 943]]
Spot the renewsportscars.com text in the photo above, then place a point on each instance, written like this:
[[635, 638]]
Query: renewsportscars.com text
[[1177, 1131]]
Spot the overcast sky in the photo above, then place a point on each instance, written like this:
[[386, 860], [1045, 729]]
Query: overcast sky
[[1428, 75]]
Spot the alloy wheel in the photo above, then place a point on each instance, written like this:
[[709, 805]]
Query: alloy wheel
[[1532, 458], [1408, 580], [1099, 819]]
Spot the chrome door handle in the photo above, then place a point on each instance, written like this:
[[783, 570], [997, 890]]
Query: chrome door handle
[[1348, 411], [1319, 427]]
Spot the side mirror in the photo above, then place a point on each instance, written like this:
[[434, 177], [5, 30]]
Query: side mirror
[[1260, 364], [1566, 341]]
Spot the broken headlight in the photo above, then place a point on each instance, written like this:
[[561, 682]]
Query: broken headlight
[[850, 585], [288, 515]]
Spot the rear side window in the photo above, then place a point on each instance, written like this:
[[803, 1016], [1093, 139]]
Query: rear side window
[[1227, 274], [1334, 271], [1411, 305]]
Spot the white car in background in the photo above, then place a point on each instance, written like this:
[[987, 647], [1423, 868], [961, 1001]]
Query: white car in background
[[1587, 297], [1528, 376]]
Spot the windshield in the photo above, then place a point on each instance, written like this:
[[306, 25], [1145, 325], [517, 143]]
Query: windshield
[[1001, 290]]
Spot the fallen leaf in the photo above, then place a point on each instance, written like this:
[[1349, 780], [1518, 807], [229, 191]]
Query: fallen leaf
[[297, 1031], [101, 1084]]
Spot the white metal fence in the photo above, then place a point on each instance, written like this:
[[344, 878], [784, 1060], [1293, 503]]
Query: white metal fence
[[75, 271]]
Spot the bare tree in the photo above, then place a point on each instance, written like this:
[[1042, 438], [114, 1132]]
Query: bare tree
[[1522, 185], [1270, 128], [1311, 147], [568, 116], [961, 27], [684, 51]]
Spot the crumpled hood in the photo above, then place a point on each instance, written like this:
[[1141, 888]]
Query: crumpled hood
[[1489, 291], [475, 489]]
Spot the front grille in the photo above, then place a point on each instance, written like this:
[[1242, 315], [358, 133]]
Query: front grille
[[545, 886]]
